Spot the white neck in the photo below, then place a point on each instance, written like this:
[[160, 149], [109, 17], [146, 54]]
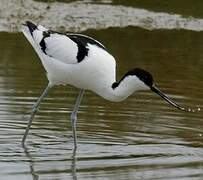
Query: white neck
[[125, 88]]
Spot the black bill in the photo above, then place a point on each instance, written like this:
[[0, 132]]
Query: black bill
[[170, 101]]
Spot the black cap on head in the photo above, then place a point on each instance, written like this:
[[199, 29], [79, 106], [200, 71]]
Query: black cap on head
[[143, 75]]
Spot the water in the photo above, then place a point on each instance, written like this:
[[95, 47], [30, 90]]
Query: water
[[140, 138]]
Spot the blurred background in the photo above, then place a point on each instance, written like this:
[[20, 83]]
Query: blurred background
[[139, 138]]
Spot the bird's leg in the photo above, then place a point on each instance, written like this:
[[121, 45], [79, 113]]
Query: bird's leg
[[74, 116], [34, 111]]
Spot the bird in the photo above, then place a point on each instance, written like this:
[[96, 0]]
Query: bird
[[85, 63]]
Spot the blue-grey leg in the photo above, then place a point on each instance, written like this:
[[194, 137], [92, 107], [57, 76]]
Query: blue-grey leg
[[74, 116], [34, 111]]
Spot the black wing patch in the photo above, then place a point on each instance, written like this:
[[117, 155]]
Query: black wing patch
[[85, 40], [82, 47], [42, 42], [82, 43]]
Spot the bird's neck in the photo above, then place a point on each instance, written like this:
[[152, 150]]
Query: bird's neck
[[118, 91]]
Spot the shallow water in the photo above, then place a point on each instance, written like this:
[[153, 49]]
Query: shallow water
[[140, 138]]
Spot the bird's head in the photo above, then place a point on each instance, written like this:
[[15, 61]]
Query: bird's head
[[143, 80]]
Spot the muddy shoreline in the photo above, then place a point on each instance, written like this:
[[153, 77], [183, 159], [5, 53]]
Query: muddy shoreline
[[79, 16]]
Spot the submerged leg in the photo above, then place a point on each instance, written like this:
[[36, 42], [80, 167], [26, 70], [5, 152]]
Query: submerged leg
[[74, 116], [34, 111]]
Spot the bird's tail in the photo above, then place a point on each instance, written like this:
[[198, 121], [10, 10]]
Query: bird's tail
[[34, 35], [31, 27]]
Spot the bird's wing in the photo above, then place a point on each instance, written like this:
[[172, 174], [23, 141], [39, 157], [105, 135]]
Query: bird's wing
[[68, 48]]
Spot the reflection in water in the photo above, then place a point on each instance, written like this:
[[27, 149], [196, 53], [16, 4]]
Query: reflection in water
[[73, 164], [140, 137], [35, 176]]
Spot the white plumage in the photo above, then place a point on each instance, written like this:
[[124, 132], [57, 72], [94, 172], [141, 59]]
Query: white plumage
[[95, 72], [61, 48], [83, 62]]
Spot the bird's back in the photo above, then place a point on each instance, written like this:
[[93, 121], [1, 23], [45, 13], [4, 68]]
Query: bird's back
[[71, 58], [66, 47]]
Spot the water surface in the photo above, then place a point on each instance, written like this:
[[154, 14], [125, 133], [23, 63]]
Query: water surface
[[140, 138]]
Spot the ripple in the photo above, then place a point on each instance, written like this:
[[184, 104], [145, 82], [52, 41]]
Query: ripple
[[140, 138]]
